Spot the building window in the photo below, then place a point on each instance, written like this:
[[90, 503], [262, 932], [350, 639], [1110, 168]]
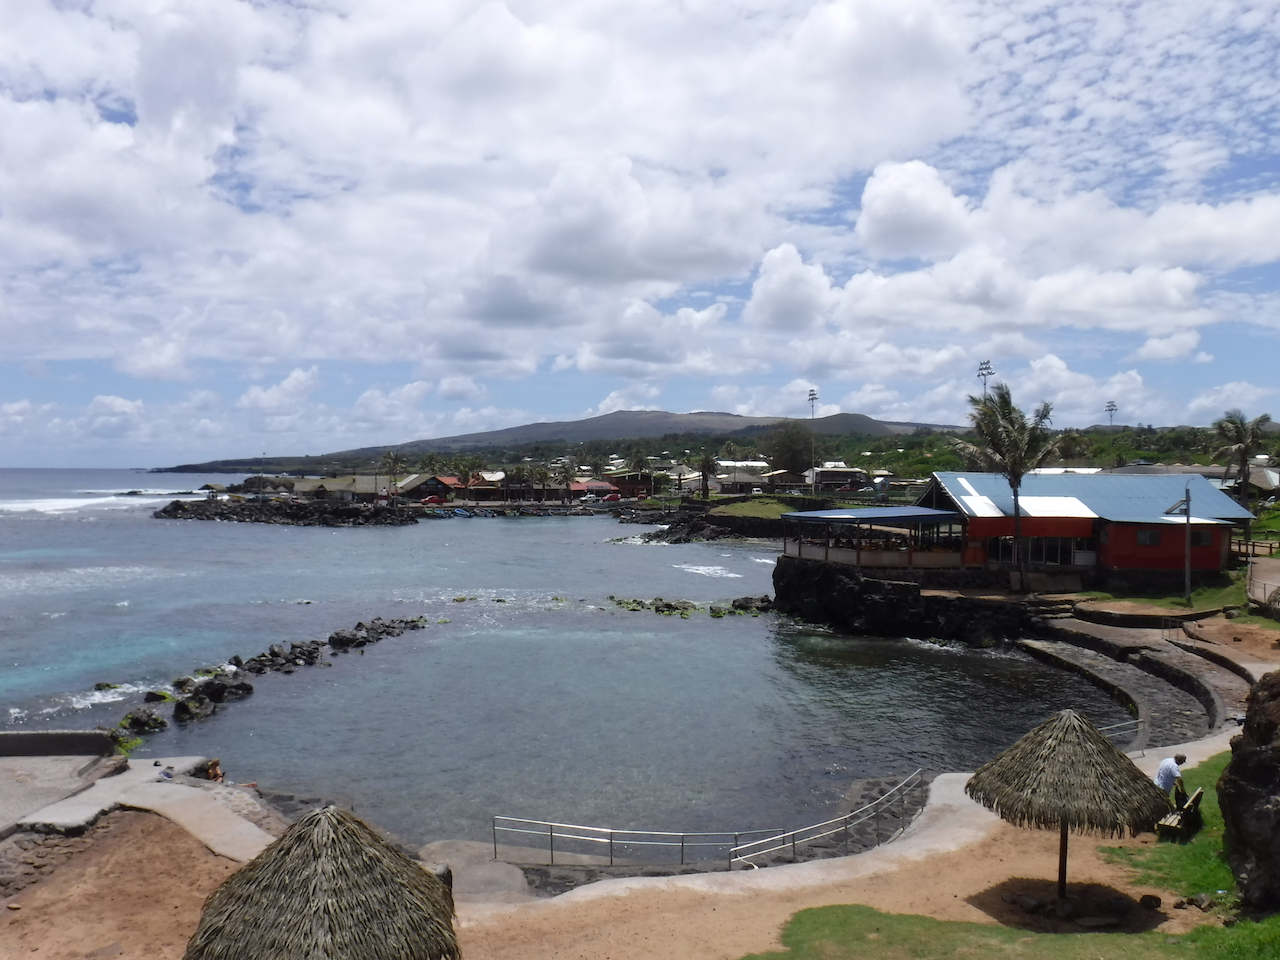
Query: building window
[[1202, 538], [1148, 538]]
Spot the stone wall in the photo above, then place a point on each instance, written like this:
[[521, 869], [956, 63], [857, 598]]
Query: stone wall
[[840, 597], [57, 743]]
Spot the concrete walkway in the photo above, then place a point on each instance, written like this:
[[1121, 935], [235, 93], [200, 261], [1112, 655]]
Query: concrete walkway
[[140, 787]]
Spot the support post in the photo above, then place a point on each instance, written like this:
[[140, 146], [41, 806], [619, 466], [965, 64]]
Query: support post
[[1062, 863]]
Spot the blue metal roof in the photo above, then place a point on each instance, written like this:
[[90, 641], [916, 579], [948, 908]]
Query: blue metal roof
[[1120, 498], [889, 516]]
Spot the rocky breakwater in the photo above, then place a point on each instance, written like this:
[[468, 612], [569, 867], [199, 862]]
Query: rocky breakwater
[[199, 696], [298, 513], [685, 526], [840, 597], [1249, 794]]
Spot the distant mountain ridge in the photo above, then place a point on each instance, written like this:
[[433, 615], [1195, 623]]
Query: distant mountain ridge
[[619, 425], [626, 424]]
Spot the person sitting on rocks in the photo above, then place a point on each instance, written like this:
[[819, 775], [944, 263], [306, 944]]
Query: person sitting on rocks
[[213, 771]]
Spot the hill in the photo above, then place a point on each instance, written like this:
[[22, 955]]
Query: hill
[[622, 424]]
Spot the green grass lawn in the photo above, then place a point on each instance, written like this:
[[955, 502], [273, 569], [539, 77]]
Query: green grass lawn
[[770, 508], [839, 932], [1187, 868], [1228, 590]]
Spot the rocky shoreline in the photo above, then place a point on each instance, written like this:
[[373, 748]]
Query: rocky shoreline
[[298, 513]]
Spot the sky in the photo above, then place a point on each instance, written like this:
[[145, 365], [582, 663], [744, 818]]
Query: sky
[[258, 227]]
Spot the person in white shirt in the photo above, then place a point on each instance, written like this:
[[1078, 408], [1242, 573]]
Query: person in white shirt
[[1169, 776]]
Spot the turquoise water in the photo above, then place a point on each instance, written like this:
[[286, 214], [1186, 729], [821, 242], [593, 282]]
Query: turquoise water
[[553, 704]]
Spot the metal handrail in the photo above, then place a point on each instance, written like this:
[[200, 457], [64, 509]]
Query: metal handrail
[[792, 839], [552, 831], [1139, 726]]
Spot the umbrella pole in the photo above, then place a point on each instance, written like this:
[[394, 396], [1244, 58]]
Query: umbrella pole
[[1062, 863]]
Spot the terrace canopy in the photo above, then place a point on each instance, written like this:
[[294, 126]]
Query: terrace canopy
[[897, 536]]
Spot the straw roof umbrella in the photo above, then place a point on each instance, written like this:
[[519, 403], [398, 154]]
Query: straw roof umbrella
[[329, 889], [1066, 774]]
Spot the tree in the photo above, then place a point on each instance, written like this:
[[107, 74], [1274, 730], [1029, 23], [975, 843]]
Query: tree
[[517, 477], [1009, 444], [638, 464], [541, 476], [707, 466], [565, 475], [791, 446], [1242, 437], [394, 463]]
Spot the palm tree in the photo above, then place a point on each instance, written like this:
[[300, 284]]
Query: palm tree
[[541, 476], [638, 464], [1009, 444], [707, 466], [394, 463], [1242, 437], [566, 473], [517, 477]]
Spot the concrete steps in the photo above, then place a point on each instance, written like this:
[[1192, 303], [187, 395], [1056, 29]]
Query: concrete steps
[[1172, 715]]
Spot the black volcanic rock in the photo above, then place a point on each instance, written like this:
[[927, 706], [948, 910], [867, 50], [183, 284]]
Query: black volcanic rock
[[1248, 792]]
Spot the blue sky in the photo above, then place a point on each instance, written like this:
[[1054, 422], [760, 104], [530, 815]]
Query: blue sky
[[232, 228]]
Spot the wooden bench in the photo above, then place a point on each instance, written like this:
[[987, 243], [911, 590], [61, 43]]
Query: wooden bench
[[1181, 824]]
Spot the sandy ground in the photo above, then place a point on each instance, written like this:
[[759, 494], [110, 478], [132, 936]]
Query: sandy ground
[[1243, 639], [138, 890]]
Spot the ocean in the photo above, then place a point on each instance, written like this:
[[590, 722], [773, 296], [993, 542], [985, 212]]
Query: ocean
[[552, 704]]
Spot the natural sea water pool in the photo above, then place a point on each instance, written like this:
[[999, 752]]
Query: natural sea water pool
[[551, 705]]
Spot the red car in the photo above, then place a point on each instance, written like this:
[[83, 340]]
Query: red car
[[427, 500], [612, 498]]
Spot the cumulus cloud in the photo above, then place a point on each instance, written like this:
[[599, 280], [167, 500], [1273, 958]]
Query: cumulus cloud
[[876, 191], [1172, 347], [907, 211], [1237, 395], [283, 397]]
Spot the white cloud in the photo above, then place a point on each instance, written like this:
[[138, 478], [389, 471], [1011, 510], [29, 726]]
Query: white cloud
[[789, 294], [1237, 395], [907, 211], [283, 397], [632, 397], [1172, 347]]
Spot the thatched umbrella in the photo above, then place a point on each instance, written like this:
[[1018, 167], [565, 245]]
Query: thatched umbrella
[[1066, 774], [329, 889]]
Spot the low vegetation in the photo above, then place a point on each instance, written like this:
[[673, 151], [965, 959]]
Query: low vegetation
[[1226, 590], [839, 932]]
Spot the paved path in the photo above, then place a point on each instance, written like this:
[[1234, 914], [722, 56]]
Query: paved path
[[30, 783], [202, 813]]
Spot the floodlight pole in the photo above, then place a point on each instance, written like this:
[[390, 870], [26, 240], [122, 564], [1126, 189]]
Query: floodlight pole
[[985, 372], [1187, 584], [813, 444]]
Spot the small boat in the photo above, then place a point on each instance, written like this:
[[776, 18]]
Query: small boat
[[459, 512]]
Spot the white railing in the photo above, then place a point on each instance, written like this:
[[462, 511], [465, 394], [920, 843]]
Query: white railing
[[792, 840], [606, 842], [1259, 590]]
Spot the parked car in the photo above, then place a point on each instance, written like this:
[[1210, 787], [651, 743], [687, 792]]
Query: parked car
[[755, 491], [590, 498], [611, 498], [434, 500]]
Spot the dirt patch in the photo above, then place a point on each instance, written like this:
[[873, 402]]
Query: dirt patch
[[1248, 640], [135, 891]]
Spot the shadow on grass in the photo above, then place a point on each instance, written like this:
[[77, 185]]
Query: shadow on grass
[[1029, 904]]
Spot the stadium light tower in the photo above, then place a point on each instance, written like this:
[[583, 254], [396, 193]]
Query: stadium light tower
[[1111, 409], [985, 373]]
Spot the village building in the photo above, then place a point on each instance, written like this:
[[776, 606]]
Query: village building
[[1087, 527]]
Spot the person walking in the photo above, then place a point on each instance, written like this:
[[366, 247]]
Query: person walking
[[1168, 776]]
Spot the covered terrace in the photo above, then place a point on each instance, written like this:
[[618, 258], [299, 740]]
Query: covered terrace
[[877, 537]]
